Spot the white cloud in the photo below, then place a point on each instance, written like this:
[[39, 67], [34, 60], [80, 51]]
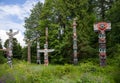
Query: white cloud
[[12, 17], [19, 10], [3, 36], [6, 25], [19, 37]]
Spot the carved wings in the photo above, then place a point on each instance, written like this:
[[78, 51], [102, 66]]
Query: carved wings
[[48, 50], [15, 33], [12, 34]]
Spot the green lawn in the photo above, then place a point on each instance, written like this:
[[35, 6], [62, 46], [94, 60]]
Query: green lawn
[[22, 72]]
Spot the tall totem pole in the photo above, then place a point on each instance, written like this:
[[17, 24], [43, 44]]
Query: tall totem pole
[[101, 27], [10, 45], [45, 50], [38, 54], [75, 60]]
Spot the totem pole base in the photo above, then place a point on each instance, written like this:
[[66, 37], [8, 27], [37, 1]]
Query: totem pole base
[[38, 62], [75, 61], [46, 62], [102, 62], [9, 61]]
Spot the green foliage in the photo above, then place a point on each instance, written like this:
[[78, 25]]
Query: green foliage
[[33, 52], [101, 7], [31, 23], [24, 53], [114, 18], [2, 58], [113, 36], [83, 73]]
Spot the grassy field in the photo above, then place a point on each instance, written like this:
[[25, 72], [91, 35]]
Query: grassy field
[[23, 72]]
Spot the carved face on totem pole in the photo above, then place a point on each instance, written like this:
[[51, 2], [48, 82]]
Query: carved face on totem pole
[[102, 26]]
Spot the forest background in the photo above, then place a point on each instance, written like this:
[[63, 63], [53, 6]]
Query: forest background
[[58, 16]]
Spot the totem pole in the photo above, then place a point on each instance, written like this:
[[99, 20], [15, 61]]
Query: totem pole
[[46, 36], [29, 42], [38, 54], [46, 50], [75, 60], [10, 46], [101, 27], [60, 32], [29, 50]]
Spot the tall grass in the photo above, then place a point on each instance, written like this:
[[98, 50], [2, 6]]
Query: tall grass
[[23, 72]]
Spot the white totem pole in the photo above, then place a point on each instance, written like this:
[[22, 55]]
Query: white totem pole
[[10, 46]]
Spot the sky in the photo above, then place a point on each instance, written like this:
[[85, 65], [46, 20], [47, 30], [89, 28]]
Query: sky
[[12, 14]]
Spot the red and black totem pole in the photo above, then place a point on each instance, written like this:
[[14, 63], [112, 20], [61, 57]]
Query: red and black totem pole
[[101, 27]]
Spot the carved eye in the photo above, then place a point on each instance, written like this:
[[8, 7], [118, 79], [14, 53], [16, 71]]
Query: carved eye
[[101, 36], [102, 26]]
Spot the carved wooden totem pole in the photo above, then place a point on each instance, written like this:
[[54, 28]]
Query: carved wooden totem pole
[[46, 50], [38, 54], [75, 60], [10, 46], [101, 27]]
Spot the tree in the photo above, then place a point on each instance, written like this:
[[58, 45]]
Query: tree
[[24, 55], [114, 36], [1, 46], [31, 22], [2, 59], [101, 8]]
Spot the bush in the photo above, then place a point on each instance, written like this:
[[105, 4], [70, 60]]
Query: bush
[[2, 59], [23, 72]]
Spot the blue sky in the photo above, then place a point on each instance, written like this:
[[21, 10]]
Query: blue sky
[[12, 14], [8, 2]]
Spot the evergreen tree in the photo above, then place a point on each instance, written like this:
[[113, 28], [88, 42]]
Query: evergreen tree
[[1, 46], [2, 58], [114, 36], [31, 22], [101, 8], [24, 55]]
